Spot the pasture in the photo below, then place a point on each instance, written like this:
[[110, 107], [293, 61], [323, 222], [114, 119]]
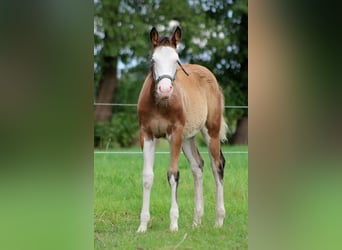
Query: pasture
[[118, 200]]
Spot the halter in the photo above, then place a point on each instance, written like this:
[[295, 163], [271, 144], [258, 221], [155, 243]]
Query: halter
[[179, 63], [157, 80]]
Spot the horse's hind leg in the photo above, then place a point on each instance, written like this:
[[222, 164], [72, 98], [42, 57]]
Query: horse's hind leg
[[196, 164], [217, 165]]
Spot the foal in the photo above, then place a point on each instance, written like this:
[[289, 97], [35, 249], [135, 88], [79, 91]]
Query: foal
[[176, 102]]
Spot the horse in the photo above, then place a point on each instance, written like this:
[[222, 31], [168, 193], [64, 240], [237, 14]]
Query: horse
[[176, 102]]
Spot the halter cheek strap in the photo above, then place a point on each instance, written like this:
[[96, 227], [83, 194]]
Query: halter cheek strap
[[180, 64]]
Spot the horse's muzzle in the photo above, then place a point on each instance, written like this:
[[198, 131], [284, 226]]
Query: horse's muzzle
[[164, 88]]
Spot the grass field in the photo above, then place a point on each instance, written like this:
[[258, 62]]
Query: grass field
[[118, 200]]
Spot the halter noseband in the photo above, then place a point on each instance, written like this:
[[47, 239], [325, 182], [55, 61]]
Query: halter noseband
[[165, 76], [172, 79]]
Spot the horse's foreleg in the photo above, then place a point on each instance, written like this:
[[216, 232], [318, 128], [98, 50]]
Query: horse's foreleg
[[173, 176], [174, 213], [196, 164], [148, 150]]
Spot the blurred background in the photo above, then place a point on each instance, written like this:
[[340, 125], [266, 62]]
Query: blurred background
[[214, 34]]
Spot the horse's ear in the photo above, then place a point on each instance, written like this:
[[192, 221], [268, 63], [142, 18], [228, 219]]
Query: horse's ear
[[154, 36], [177, 34]]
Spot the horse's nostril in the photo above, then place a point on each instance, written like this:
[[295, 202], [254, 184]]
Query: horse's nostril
[[165, 88]]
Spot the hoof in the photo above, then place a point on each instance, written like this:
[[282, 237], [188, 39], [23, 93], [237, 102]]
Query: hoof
[[174, 228], [219, 223], [196, 224], [142, 229]]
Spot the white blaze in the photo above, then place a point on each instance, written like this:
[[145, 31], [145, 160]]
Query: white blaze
[[165, 64], [165, 61]]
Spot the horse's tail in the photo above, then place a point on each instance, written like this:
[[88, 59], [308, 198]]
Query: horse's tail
[[224, 126], [223, 130]]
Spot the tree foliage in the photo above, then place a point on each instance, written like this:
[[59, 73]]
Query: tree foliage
[[214, 34]]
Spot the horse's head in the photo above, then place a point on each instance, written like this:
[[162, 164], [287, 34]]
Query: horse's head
[[164, 62]]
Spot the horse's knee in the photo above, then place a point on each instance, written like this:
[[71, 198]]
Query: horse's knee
[[147, 181], [197, 172], [200, 160], [197, 168], [174, 179]]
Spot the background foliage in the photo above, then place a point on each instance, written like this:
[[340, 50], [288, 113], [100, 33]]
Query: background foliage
[[214, 34]]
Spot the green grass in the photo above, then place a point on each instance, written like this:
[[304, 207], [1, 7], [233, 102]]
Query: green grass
[[118, 200]]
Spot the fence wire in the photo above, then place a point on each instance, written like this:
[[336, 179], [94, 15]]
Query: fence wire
[[161, 152], [134, 105]]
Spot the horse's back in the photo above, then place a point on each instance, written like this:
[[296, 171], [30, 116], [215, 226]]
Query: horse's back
[[201, 79]]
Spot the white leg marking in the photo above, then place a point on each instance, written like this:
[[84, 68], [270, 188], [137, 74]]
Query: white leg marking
[[198, 182], [174, 213], [220, 211], [149, 147]]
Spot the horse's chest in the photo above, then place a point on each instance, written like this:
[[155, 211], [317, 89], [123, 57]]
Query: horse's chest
[[160, 127]]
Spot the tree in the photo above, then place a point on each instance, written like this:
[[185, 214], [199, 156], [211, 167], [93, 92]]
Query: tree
[[119, 31]]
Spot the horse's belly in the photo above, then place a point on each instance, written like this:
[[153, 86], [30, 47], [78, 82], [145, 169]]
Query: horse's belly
[[194, 123]]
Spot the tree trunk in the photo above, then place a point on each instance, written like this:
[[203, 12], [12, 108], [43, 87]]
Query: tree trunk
[[240, 137], [106, 91]]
